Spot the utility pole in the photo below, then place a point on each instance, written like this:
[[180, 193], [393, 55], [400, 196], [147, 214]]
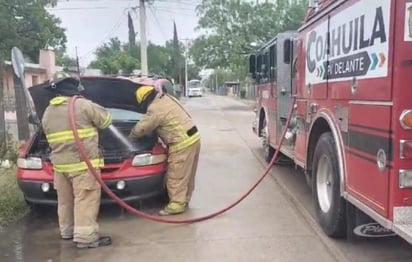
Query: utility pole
[[143, 40], [186, 55], [186, 80]]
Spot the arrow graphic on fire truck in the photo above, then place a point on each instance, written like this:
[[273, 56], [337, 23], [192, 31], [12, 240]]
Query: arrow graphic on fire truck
[[377, 60], [320, 71], [383, 59], [374, 61]]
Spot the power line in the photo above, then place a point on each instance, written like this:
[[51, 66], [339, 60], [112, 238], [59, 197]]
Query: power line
[[88, 1], [158, 24], [119, 22], [174, 12], [84, 8]]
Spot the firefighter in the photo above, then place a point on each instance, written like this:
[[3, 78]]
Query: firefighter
[[78, 192], [165, 116]]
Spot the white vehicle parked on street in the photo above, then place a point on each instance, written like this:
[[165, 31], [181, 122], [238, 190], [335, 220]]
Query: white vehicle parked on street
[[194, 88]]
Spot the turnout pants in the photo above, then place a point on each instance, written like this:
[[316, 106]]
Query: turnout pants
[[78, 206], [181, 172]]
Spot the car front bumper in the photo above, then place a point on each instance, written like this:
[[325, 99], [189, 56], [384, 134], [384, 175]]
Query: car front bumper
[[195, 93], [140, 188]]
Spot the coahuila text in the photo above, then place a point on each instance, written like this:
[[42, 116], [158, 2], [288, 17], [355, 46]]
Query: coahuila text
[[344, 40]]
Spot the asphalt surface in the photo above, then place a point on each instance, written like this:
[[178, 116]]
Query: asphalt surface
[[274, 223]]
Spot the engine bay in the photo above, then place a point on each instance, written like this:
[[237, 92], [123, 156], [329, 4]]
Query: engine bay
[[111, 148]]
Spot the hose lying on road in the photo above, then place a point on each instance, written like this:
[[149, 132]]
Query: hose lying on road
[[132, 210]]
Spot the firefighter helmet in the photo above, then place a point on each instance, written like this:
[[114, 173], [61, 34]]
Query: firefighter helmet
[[65, 84], [142, 93]]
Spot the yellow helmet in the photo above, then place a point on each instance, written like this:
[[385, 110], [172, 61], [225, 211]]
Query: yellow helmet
[[142, 92]]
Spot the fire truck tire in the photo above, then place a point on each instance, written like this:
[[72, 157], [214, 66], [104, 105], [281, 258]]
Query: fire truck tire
[[330, 207], [268, 153]]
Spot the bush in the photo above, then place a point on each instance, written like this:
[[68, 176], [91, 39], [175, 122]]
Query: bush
[[8, 149], [12, 203]]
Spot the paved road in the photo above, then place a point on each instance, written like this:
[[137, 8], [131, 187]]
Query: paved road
[[268, 226], [294, 184]]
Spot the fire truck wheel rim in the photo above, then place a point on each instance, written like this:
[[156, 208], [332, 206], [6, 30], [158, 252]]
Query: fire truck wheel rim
[[324, 181]]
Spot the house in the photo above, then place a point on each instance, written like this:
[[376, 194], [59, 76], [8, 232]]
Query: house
[[34, 74]]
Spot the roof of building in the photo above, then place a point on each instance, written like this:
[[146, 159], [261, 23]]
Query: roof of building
[[28, 65]]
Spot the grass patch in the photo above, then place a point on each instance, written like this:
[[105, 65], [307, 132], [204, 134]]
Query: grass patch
[[12, 203]]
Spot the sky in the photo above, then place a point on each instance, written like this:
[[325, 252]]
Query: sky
[[90, 23]]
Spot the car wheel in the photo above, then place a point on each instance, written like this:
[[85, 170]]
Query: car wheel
[[330, 207]]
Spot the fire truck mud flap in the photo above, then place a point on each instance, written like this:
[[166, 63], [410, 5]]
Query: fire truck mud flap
[[330, 207]]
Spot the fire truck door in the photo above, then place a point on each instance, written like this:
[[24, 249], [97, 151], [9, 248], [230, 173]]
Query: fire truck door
[[367, 135], [284, 80]]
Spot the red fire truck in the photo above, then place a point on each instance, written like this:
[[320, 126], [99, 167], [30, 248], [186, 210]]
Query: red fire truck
[[350, 68]]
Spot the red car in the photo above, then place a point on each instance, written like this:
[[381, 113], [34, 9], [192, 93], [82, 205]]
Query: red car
[[132, 176]]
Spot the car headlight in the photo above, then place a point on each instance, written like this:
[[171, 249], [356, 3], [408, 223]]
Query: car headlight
[[148, 159], [29, 163]]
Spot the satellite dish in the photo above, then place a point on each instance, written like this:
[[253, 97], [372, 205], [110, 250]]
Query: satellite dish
[[17, 61]]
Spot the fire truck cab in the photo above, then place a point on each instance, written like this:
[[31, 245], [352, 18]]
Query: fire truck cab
[[346, 73]]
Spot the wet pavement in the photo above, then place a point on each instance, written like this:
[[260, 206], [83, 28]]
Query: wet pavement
[[268, 226]]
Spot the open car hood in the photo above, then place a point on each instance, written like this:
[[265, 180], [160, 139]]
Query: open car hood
[[105, 91]]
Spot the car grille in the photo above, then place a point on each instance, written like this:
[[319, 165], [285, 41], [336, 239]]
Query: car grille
[[117, 156]]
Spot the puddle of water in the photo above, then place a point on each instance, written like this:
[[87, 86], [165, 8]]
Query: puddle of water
[[36, 237]]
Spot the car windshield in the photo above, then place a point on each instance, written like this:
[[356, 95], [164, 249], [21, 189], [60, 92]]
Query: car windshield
[[124, 115]]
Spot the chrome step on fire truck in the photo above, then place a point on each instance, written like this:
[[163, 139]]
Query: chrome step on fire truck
[[350, 68]]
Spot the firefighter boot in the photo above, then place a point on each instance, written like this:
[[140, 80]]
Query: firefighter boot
[[101, 242], [173, 208], [67, 237]]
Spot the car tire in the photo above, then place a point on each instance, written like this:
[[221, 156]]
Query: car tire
[[330, 207]]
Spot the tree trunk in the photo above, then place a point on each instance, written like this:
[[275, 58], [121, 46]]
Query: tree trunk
[[21, 110], [3, 136]]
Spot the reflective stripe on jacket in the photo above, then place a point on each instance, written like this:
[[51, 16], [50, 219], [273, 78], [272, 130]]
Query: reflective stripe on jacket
[[77, 167], [68, 135], [56, 126], [171, 122]]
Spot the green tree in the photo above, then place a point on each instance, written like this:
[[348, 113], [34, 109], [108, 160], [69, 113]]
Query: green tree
[[28, 25], [132, 33], [233, 25], [65, 61], [176, 56], [114, 57]]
